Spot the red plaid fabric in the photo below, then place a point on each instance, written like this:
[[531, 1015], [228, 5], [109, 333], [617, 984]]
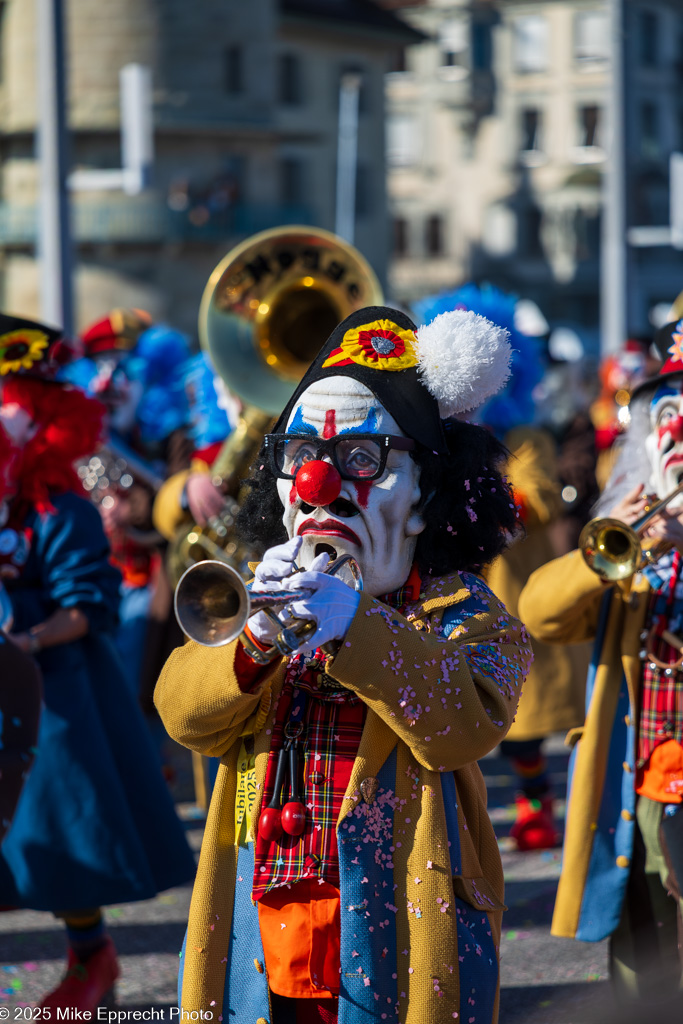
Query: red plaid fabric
[[661, 705], [333, 726], [662, 689]]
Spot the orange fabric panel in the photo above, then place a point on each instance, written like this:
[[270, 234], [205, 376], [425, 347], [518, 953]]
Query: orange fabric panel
[[300, 930], [662, 777]]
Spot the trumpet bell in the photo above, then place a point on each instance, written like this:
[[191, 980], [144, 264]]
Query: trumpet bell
[[211, 603], [611, 549]]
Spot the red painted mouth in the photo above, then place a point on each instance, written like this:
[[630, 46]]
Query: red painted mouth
[[328, 528], [674, 460]]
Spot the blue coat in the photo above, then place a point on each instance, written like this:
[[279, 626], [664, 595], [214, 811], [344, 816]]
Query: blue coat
[[95, 823]]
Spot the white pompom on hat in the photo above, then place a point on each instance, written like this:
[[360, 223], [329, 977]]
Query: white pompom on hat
[[463, 359]]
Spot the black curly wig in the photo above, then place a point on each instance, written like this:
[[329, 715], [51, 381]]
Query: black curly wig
[[466, 502]]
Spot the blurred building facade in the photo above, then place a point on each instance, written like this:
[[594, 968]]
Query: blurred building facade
[[246, 103], [496, 134]]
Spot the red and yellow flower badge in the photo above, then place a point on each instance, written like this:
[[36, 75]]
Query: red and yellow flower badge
[[381, 345], [20, 350], [676, 350]]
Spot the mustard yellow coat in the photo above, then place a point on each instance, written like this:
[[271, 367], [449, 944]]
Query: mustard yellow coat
[[553, 693], [478, 666]]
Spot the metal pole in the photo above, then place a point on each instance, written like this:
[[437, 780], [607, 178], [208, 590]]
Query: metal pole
[[347, 153], [614, 259], [54, 234]]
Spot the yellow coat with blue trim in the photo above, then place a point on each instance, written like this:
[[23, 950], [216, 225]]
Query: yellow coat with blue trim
[[566, 602], [465, 659]]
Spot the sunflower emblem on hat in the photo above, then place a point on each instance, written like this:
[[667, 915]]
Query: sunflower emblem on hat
[[22, 349], [676, 350], [380, 345]]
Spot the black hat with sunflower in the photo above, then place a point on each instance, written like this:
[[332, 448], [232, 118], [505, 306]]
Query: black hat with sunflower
[[31, 349], [422, 376]]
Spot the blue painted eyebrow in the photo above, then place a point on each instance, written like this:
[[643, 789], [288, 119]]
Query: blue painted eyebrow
[[368, 426], [665, 391], [300, 426]]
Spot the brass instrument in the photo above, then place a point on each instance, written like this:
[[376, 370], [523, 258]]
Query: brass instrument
[[212, 605], [116, 465], [266, 311], [614, 550]]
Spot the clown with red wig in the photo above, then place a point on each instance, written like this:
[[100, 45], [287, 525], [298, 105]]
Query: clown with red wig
[[95, 823]]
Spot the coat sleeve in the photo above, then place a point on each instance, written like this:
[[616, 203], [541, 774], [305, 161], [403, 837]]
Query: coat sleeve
[[73, 554], [199, 699], [449, 691], [561, 601], [532, 471]]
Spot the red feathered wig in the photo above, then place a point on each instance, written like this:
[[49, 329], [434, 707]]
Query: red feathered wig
[[70, 426]]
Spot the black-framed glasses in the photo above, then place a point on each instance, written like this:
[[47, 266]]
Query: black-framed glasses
[[355, 456]]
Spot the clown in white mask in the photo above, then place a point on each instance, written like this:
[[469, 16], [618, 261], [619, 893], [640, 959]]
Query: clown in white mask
[[369, 460], [348, 482], [657, 407]]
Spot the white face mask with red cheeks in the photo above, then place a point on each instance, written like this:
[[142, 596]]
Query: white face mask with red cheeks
[[375, 521], [665, 442]]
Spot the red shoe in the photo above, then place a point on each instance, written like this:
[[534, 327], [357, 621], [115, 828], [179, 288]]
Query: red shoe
[[87, 983], [534, 828]]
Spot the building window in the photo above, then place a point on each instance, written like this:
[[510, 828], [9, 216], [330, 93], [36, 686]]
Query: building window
[[454, 43], [233, 70], [530, 232], [399, 63], [647, 34], [400, 236], [649, 130], [481, 46], [291, 91], [434, 235], [591, 37], [589, 126], [530, 141], [530, 43], [402, 140], [292, 184]]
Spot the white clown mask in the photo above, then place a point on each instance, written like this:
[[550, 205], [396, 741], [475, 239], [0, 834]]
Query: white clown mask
[[665, 442], [375, 520]]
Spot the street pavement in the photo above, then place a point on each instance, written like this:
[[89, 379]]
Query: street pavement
[[544, 980]]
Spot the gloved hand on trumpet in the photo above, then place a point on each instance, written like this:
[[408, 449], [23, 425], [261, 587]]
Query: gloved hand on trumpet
[[324, 599]]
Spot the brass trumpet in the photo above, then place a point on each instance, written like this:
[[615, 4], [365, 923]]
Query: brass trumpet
[[212, 605], [614, 550]]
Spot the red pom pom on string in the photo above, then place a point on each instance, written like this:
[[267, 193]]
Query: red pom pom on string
[[293, 818], [318, 483], [270, 824]]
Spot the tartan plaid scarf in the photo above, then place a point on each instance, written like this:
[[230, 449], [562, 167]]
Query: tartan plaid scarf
[[333, 725], [661, 703]]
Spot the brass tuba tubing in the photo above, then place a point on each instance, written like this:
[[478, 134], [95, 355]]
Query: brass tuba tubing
[[612, 549]]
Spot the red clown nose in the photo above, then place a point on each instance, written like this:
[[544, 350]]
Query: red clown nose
[[318, 483], [675, 428]]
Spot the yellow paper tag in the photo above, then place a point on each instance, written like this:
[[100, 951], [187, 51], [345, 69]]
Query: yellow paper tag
[[246, 795]]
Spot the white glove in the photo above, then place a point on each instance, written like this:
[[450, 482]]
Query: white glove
[[278, 563], [332, 605]]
